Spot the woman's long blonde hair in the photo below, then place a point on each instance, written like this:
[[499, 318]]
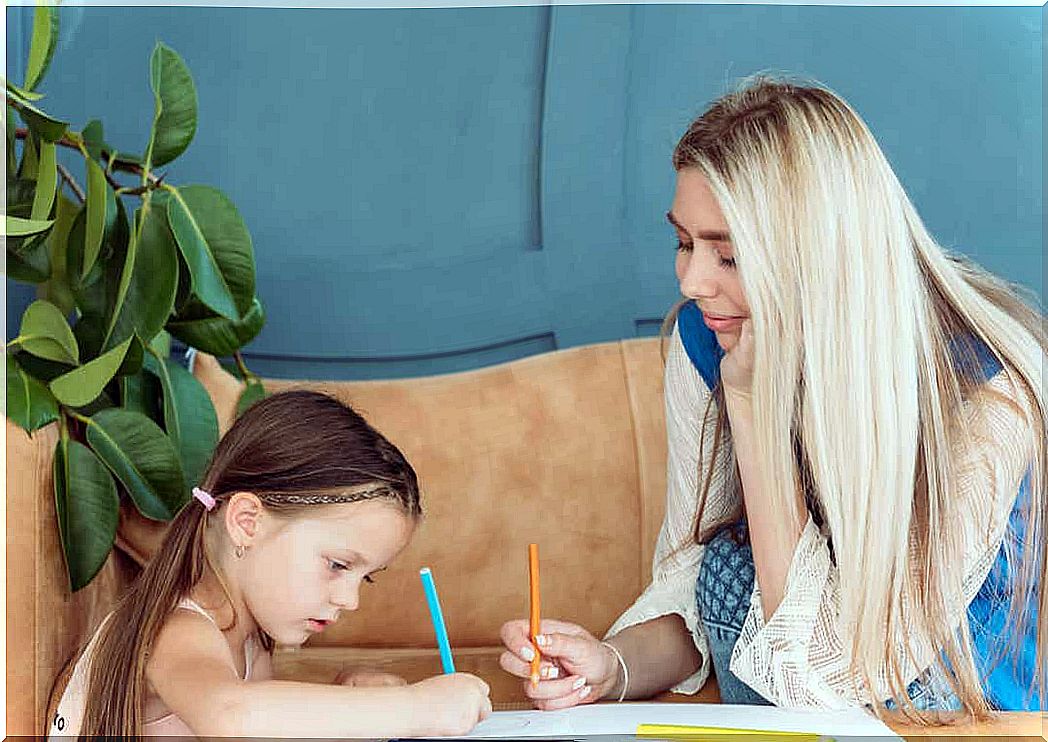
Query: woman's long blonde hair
[[857, 386]]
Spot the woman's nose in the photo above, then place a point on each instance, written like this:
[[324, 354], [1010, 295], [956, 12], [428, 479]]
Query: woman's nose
[[698, 279]]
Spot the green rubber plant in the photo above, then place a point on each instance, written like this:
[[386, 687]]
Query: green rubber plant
[[119, 269]]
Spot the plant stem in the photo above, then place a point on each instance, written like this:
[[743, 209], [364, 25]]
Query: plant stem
[[244, 371], [126, 167], [68, 178], [77, 416]]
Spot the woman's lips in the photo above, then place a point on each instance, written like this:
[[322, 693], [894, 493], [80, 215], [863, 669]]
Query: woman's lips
[[720, 323], [317, 625]]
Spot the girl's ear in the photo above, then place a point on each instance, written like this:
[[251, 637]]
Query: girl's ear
[[243, 518]]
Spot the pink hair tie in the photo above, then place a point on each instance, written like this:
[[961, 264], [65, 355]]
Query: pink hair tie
[[204, 497]]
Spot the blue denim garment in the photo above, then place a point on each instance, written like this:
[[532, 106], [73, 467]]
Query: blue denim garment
[[1009, 682], [722, 593]]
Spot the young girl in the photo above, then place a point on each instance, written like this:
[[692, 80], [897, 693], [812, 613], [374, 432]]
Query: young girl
[[302, 502], [856, 426]]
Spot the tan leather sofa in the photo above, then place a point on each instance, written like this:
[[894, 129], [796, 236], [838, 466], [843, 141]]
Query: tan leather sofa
[[565, 449]]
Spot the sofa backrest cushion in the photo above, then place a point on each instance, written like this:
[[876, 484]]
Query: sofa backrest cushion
[[565, 449]]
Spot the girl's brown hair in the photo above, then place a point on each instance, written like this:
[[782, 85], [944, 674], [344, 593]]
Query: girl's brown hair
[[296, 451]]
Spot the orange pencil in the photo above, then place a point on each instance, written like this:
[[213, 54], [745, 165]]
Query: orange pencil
[[533, 580]]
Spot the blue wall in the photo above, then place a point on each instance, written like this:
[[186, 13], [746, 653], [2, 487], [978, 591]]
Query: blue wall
[[434, 190]]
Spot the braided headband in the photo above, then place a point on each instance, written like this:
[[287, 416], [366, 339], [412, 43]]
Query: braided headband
[[209, 502]]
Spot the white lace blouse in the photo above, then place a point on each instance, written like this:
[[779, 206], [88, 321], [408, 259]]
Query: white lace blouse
[[797, 657]]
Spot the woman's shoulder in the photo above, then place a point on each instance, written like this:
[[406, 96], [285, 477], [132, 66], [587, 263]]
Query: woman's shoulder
[[973, 358]]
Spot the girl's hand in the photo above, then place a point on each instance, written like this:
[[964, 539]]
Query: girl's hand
[[450, 704], [737, 365], [367, 678], [576, 668]]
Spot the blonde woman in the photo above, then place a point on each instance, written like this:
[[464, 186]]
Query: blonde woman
[[856, 420]]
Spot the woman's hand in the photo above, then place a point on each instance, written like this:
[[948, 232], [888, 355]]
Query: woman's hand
[[737, 365], [367, 678], [576, 668]]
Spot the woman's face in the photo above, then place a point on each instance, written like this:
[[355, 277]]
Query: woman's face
[[706, 258]]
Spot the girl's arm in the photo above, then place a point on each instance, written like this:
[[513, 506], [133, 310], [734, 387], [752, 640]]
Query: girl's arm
[[191, 670], [795, 654]]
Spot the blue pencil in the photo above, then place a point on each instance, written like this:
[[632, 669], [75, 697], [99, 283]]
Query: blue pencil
[[438, 620]]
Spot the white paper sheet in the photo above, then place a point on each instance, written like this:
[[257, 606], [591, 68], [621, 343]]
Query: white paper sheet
[[623, 719]]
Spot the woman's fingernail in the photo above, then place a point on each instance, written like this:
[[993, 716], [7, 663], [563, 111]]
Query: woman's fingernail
[[527, 653], [542, 640], [585, 692], [549, 672], [579, 682]]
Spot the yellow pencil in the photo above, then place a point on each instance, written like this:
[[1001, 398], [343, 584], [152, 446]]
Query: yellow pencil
[[687, 733]]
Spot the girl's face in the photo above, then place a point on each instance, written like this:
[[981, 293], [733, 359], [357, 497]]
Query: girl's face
[[706, 258], [299, 575]]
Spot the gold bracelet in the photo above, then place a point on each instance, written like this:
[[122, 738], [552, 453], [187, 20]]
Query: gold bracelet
[[625, 670]]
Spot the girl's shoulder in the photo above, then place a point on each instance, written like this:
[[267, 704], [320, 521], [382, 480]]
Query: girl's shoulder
[[190, 626]]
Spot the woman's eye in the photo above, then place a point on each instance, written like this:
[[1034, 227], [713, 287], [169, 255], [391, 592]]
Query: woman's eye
[[728, 262], [337, 566], [682, 246]]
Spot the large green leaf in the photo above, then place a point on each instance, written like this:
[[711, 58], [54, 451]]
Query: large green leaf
[[88, 290], [175, 113], [18, 227], [96, 292], [81, 385], [27, 168], [48, 128], [217, 335], [133, 359], [253, 392], [22, 94], [12, 138], [90, 331], [150, 275], [46, 182], [57, 290], [41, 368], [29, 403], [45, 333], [88, 509], [94, 139], [216, 246], [189, 416], [98, 193], [42, 45], [29, 262], [136, 450], [20, 194], [142, 393], [184, 292], [161, 344]]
